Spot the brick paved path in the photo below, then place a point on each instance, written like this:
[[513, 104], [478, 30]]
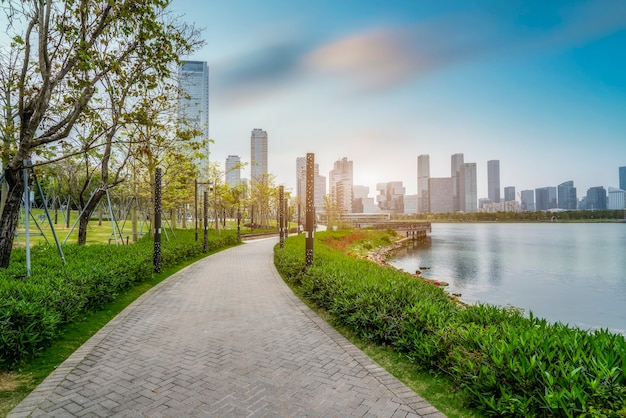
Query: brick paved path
[[224, 337]]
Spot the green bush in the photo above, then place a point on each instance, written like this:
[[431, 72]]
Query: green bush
[[32, 309], [507, 364]]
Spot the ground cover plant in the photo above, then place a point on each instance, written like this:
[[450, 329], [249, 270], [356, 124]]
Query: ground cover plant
[[32, 309], [506, 364]]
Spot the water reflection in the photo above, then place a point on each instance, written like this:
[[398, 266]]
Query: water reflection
[[572, 273]]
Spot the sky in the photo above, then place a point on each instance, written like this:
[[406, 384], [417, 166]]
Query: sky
[[538, 85]]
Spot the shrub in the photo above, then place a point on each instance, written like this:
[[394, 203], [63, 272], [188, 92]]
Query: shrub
[[33, 308], [507, 364]]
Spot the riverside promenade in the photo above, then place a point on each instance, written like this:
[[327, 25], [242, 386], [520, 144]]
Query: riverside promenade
[[225, 337]]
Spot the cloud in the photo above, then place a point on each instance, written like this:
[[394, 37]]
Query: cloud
[[248, 77], [389, 57], [376, 59]]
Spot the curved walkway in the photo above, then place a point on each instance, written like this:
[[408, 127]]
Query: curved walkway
[[225, 337]]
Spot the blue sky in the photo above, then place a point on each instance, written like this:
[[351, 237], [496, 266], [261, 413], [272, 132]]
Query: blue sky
[[538, 85]]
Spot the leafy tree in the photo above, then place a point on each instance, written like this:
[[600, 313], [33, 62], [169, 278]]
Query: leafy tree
[[64, 58]]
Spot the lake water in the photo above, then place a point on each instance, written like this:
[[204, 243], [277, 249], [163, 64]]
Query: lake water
[[571, 273]]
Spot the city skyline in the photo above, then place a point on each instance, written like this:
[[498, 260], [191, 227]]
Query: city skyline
[[539, 88]]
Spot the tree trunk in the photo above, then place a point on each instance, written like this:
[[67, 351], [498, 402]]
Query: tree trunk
[[86, 215], [10, 215]]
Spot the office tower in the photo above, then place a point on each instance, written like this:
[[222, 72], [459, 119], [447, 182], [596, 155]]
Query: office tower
[[455, 168], [423, 174], [410, 203], [391, 197], [468, 191], [566, 198], [595, 199], [362, 202], [233, 171], [319, 185], [258, 154], [622, 178], [441, 195], [493, 180], [193, 103], [509, 193], [617, 199], [545, 198], [528, 200], [341, 182]]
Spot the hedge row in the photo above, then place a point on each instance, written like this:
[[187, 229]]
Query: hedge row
[[506, 364], [32, 309]]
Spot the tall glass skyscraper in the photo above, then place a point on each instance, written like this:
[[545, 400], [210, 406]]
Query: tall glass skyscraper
[[423, 174], [468, 191], [493, 180], [622, 178], [567, 196], [509, 193], [258, 154], [233, 171], [193, 104], [455, 172]]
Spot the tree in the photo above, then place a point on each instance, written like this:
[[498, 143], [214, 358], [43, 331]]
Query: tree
[[264, 194], [54, 73]]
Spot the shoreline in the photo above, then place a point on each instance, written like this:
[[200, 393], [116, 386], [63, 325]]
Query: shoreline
[[381, 254]]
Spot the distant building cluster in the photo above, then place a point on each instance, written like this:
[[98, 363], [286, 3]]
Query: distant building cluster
[[457, 193]]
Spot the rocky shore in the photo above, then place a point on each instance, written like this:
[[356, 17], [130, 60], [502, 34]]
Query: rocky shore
[[382, 254]]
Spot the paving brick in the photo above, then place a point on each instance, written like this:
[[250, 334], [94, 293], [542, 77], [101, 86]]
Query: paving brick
[[224, 337]]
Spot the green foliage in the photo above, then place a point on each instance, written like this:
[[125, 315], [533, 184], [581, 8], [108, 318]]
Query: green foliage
[[32, 309], [505, 363]]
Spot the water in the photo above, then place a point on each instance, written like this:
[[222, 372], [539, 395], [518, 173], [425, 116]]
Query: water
[[571, 273]]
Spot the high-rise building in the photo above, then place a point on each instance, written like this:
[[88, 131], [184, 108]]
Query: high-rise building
[[545, 198], [528, 200], [423, 174], [455, 168], [493, 180], [595, 199], [193, 103], [391, 197], [567, 198], [509, 193], [258, 154], [233, 171], [622, 178], [362, 203], [341, 182], [617, 199], [440, 195], [319, 187], [468, 191]]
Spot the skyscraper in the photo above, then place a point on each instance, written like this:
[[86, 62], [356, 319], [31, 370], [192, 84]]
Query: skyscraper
[[341, 182], [493, 180], [622, 178], [528, 200], [319, 186], [193, 104], [468, 191], [440, 195], [566, 196], [545, 198], [258, 154], [233, 171], [509, 193], [455, 168], [595, 199], [423, 174], [391, 197]]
